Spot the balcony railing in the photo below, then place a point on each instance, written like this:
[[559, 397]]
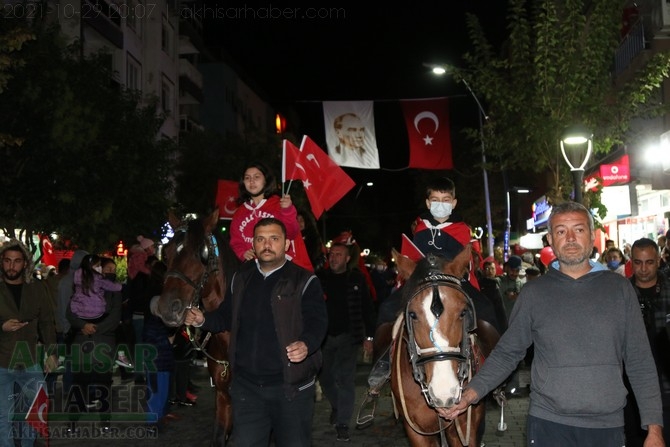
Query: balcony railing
[[631, 45]]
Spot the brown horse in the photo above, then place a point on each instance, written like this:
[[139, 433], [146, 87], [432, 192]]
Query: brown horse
[[197, 265], [438, 344]]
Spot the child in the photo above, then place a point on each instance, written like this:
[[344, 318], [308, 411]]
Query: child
[[88, 301], [439, 230]]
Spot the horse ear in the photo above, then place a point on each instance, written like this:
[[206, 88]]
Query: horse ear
[[462, 260], [211, 220], [173, 220], [405, 265]]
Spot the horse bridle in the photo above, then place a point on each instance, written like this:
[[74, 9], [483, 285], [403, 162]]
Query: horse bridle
[[420, 356], [209, 257]]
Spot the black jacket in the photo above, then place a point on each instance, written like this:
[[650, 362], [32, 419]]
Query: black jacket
[[290, 309]]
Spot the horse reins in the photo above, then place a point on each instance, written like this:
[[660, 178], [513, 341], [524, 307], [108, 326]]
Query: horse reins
[[212, 267], [418, 358]]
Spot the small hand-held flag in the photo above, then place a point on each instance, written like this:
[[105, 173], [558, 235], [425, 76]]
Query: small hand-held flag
[[324, 181], [410, 250], [38, 412], [226, 198]]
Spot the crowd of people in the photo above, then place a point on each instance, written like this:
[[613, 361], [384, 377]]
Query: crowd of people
[[301, 314]]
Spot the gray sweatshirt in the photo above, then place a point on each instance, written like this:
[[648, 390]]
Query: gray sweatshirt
[[584, 330]]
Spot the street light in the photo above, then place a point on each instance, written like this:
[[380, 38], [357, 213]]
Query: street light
[[441, 70], [579, 142]]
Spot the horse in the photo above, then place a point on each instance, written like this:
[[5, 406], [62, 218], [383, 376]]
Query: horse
[[437, 345], [198, 264]]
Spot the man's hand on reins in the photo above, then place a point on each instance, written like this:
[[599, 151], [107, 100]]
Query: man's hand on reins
[[194, 317], [452, 413]]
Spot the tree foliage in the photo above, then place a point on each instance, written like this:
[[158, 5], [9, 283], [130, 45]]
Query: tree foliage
[[554, 70], [85, 161]]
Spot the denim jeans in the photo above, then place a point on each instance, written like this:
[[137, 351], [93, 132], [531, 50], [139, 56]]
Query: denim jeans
[[158, 388], [18, 388]]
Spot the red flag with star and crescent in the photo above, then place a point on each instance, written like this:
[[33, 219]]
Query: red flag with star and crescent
[[323, 180], [226, 198], [427, 122], [37, 416]]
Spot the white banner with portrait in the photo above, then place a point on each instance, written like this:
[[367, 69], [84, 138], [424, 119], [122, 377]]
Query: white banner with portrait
[[350, 133]]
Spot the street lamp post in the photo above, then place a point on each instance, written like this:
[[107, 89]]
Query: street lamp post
[[440, 70], [576, 147]]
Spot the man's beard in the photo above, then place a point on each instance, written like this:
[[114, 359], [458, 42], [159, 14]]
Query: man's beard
[[574, 259], [12, 275]]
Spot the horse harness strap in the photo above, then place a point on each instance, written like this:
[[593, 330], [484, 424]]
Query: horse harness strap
[[209, 256], [464, 437], [461, 354]]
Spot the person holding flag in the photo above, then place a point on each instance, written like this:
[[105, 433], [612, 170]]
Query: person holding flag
[[27, 316], [258, 199]]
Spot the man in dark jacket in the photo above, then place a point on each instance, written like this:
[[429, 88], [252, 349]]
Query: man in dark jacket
[[351, 324], [277, 320], [26, 316]]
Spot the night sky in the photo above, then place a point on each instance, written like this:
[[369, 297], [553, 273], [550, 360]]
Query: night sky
[[363, 52]]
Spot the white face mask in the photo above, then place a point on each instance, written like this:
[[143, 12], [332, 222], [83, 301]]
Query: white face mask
[[440, 210]]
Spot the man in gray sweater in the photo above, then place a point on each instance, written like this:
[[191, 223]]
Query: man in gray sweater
[[585, 323]]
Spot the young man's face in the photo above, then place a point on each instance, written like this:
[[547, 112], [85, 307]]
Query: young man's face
[[13, 266]]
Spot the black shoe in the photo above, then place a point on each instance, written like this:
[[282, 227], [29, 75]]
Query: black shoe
[[193, 388], [342, 433], [333, 417]]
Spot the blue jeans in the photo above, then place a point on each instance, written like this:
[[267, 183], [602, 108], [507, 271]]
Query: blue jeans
[[260, 410], [17, 391], [340, 354], [158, 387]]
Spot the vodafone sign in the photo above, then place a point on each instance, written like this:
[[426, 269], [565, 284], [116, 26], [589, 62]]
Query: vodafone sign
[[617, 172]]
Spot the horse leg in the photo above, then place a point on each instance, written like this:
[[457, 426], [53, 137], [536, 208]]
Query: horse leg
[[417, 440], [477, 415], [223, 419], [221, 376]]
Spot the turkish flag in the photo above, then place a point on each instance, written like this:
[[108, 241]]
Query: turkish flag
[[323, 180], [226, 198], [427, 122], [410, 250], [38, 412], [301, 257]]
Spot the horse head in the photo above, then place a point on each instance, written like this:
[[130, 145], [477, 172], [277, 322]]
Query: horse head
[[439, 316], [195, 274]]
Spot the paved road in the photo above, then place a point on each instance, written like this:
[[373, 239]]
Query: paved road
[[193, 428]]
